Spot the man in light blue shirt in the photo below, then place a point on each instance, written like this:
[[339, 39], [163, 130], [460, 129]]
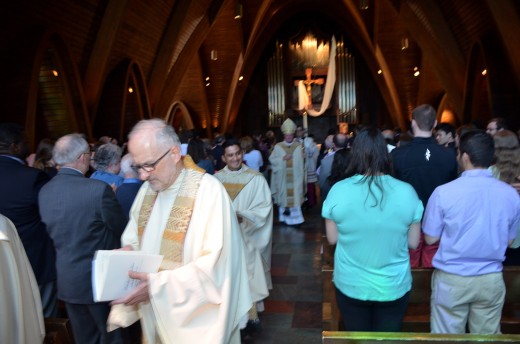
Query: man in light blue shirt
[[475, 217]]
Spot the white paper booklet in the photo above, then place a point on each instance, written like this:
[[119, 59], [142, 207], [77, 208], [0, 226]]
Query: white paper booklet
[[110, 268]]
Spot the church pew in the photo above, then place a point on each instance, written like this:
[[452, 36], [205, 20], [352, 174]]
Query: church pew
[[417, 318], [331, 317], [414, 338], [330, 312], [58, 331]]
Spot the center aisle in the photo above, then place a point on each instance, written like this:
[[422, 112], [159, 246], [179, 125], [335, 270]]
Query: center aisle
[[293, 309]]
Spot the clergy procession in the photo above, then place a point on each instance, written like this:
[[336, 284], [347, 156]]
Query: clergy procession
[[231, 171], [215, 232]]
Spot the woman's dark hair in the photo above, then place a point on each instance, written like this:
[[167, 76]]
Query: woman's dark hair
[[43, 156], [339, 166], [369, 157], [196, 150]]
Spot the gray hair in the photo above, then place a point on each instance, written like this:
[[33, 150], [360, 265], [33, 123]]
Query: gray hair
[[126, 166], [68, 148], [106, 155], [164, 133]]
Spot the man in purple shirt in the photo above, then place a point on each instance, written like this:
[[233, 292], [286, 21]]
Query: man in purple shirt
[[475, 217]]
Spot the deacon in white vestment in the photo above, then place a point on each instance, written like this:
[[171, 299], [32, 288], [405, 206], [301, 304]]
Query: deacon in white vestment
[[21, 319], [251, 198], [288, 176], [201, 292]]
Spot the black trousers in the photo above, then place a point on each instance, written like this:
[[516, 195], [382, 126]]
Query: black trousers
[[372, 316], [89, 324]]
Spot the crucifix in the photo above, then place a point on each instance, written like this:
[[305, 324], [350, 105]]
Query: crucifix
[[308, 82]]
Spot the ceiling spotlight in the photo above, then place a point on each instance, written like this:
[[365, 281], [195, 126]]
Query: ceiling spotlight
[[207, 78], [214, 55], [207, 84], [415, 69], [404, 43], [484, 72], [240, 78], [55, 72], [380, 72], [130, 90], [363, 4], [238, 11], [416, 73]]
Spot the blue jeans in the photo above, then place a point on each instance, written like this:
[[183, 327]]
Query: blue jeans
[[372, 316]]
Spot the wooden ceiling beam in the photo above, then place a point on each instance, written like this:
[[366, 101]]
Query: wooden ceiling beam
[[165, 53], [100, 53], [436, 41], [507, 22]]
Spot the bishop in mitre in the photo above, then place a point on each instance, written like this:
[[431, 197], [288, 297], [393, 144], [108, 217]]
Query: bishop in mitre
[[288, 176]]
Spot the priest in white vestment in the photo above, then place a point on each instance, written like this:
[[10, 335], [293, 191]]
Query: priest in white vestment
[[251, 198], [288, 176], [21, 319], [201, 292]]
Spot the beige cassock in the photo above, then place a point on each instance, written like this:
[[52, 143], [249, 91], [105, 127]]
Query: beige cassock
[[251, 198], [21, 318], [202, 298]]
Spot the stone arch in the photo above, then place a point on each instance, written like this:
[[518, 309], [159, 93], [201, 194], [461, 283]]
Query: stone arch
[[123, 102], [477, 103]]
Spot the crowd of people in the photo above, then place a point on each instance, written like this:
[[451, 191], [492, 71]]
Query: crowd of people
[[435, 197]]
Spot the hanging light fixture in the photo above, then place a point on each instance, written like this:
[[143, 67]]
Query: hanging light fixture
[[214, 55]]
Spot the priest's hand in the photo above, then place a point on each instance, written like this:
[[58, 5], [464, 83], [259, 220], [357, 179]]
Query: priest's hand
[[287, 157], [139, 294]]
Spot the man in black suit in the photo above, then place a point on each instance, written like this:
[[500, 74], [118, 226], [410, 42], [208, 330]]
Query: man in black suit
[[82, 216], [20, 185]]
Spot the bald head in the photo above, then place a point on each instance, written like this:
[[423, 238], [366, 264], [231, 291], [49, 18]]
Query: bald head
[[156, 152]]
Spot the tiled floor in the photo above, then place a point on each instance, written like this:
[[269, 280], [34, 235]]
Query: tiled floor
[[293, 309]]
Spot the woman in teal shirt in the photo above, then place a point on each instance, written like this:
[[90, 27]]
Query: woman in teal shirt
[[373, 218]]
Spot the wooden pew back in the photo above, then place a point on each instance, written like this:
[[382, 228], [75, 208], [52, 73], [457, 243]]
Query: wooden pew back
[[414, 338], [417, 318]]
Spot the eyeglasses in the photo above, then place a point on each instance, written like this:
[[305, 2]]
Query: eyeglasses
[[150, 167]]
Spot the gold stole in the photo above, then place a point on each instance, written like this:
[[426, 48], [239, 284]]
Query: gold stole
[[289, 172], [172, 243], [234, 183]]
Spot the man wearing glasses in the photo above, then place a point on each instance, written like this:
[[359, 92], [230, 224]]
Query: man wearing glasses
[[201, 290], [82, 216]]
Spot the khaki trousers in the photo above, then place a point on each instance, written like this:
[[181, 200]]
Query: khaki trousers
[[473, 300]]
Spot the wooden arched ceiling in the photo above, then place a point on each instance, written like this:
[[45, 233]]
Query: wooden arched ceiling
[[376, 33], [171, 42]]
